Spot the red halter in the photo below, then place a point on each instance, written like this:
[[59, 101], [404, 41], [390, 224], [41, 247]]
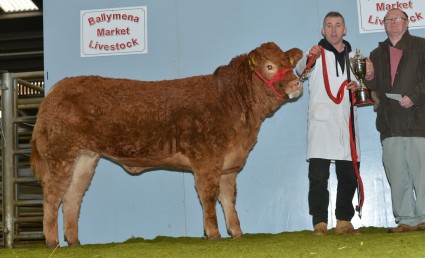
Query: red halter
[[280, 76]]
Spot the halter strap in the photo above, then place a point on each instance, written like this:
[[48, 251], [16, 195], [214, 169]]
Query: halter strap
[[280, 76]]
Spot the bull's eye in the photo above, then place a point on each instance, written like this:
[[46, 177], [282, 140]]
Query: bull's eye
[[269, 67]]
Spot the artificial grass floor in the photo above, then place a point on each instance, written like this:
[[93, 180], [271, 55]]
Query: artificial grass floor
[[374, 242]]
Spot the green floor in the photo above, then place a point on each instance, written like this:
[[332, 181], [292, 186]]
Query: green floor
[[374, 242]]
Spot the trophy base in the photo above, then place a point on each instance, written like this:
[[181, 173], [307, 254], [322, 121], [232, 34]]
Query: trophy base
[[362, 97]]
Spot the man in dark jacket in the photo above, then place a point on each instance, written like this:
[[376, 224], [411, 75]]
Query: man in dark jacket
[[399, 68]]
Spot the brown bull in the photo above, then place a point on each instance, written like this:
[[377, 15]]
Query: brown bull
[[206, 124]]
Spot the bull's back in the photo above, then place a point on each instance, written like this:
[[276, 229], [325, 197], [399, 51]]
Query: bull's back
[[94, 98], [107, 92], [118, 116]]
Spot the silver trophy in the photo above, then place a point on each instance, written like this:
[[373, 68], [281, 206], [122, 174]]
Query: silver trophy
[[362, 95]]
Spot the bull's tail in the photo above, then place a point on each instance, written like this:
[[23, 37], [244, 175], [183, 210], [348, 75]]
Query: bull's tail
[[39, 165]]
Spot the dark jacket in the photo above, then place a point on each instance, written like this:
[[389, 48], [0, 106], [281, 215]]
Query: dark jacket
[[392, 119]]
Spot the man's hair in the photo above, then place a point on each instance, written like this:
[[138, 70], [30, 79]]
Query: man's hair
[[333, 14], [404, 13]]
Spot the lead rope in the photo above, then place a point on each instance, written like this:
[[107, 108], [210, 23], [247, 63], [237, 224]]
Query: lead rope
[[337, 100]]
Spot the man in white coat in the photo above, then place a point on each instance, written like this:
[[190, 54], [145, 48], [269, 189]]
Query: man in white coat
[[329, 129]]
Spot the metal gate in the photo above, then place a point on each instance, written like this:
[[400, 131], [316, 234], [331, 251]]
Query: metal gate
[[21, 194]]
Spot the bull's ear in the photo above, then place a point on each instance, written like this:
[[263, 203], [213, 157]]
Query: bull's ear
[[294, 55], [253, 59]]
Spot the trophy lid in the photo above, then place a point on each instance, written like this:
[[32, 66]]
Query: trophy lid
[[358, 55]]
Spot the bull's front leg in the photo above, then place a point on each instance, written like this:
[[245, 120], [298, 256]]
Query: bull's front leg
[[227, 198], [208, 186]]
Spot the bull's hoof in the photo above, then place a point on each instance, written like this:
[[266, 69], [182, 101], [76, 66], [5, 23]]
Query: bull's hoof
[[217, 237], [237, 236], [52, 245], [76, 243]]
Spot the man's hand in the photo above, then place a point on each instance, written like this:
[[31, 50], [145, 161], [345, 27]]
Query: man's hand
[[314, 51], [352, 85], [406, 102], [370, 71]]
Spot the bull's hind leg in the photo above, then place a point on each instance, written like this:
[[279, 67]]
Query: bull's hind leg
[[227, 198], [82, 174], [54, 186], [208, 187]]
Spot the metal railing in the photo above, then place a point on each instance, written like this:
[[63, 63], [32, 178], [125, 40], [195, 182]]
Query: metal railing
[[21, 193]]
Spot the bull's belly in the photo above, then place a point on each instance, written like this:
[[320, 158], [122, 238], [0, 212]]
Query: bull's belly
[[137, 165], [233, 162]]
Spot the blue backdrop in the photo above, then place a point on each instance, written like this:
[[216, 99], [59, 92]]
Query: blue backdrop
[[193, 37]]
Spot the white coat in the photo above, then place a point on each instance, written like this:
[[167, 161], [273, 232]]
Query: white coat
[[328, 123]]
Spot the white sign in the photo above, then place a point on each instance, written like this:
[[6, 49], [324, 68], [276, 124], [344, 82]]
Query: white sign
[[115, 31], [372, 12]]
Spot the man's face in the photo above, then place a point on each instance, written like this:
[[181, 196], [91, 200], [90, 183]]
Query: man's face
[[395, 23], [334, 30]]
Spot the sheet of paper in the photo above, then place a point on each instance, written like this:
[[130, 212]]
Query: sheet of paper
[[394, 96]]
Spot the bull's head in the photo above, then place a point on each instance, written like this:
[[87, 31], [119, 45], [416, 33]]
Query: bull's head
[[275, 68]]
